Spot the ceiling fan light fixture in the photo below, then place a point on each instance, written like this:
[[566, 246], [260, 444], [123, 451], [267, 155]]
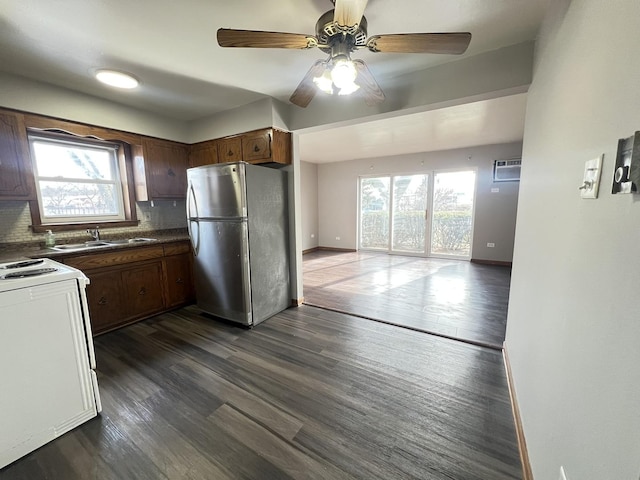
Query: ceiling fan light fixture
[[117, 79]]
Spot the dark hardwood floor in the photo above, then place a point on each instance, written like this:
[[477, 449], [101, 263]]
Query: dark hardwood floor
[[308, 394], [452, 298]]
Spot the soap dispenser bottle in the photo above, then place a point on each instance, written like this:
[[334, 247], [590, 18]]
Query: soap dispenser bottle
[[49, 239]]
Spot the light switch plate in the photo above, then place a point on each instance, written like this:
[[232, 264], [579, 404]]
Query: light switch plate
[[591, 180]]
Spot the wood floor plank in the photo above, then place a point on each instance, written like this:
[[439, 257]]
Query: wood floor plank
[[309, 393], [452, 298]]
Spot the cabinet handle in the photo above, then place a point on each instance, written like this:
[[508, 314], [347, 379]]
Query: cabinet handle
[[143, 291], [230, 153], [179, 280], [171, 173], [256, 148], [102, 301]]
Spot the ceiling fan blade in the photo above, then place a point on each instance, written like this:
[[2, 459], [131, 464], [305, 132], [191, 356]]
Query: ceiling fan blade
[[348, 13], [228, 37], [306, 90], [450, 43], [372, 92]]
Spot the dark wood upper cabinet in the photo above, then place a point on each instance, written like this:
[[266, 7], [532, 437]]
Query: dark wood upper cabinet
[[256, 146], [203, 153], [230, 149], [16, 176], [165, 168]]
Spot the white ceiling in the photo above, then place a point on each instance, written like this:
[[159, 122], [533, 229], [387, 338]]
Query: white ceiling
[[171, 47], [499, 120]]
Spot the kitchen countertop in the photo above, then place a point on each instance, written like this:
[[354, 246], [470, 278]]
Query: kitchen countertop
[[14, 252]]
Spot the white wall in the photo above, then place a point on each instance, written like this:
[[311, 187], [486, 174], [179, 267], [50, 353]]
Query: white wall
[[495, 212], [28, 95], [309, 204], [252, 116], [573, 331]]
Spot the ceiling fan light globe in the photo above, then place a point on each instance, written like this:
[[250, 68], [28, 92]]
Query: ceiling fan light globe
[[348, 89], [324, 82], [344, 73]]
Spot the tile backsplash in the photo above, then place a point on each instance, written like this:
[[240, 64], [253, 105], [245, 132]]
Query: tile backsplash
[[15, 221]]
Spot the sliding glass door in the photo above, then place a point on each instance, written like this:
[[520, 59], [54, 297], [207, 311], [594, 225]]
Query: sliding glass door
[[408, 213], [452, 219], [375, 201], [394, 214]]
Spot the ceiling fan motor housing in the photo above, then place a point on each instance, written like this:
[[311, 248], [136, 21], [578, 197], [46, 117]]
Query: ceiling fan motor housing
[[331, 36]]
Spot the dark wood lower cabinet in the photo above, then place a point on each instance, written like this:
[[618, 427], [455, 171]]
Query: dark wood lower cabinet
[[179, 280], [105, 299], [131, 284], [143, 290]]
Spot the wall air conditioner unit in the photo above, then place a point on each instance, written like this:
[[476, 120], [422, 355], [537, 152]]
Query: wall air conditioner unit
[[506, 170]]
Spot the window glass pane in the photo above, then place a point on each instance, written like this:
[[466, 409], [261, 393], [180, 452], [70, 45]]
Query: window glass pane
[[374, 212], [451, 226], [68, 199], [73, 161], [409, 206]]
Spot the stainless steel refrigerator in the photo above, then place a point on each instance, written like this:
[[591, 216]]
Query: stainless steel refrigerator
[[237, 217]]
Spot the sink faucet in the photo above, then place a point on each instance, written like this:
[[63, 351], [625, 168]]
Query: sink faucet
[[95, 233]]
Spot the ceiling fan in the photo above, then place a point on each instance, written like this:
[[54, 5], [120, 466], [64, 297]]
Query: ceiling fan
[[339, 32]]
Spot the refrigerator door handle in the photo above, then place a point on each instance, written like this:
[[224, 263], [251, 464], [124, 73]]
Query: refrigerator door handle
[[195, 243], [190, 200]]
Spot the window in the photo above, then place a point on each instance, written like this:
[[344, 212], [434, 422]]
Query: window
[[78, 180]]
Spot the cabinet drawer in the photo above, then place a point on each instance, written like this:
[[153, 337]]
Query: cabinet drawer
[[119, 257], [176, 248]]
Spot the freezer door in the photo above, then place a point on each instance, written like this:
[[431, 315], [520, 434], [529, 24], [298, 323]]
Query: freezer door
[[221, 270], [216, 191]]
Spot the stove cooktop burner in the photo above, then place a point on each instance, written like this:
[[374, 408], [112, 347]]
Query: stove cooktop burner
[[25, 263], [29, 273]]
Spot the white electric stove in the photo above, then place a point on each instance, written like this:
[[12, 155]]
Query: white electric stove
[[47, 361]]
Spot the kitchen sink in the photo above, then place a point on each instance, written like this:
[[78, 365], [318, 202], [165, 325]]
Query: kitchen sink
[[76, 247], [126, 241], [80, 246]]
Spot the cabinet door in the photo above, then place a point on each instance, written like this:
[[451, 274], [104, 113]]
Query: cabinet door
[[203, 154], [105, 299], [230, 149], [15, 166], [179, 280], [143, 290], [166, 165], [256, 147]]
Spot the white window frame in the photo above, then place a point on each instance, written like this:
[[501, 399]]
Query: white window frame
[[116, 181]]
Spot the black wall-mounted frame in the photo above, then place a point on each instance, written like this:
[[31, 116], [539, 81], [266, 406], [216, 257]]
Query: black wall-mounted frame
[[626, 173]]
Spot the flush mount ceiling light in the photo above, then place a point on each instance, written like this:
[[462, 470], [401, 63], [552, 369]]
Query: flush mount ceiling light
[[117, 79]]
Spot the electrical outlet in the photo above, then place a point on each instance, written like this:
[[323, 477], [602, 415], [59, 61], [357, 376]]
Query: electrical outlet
[[491, 244], [563, 476], [337, 238], [495, 190]]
